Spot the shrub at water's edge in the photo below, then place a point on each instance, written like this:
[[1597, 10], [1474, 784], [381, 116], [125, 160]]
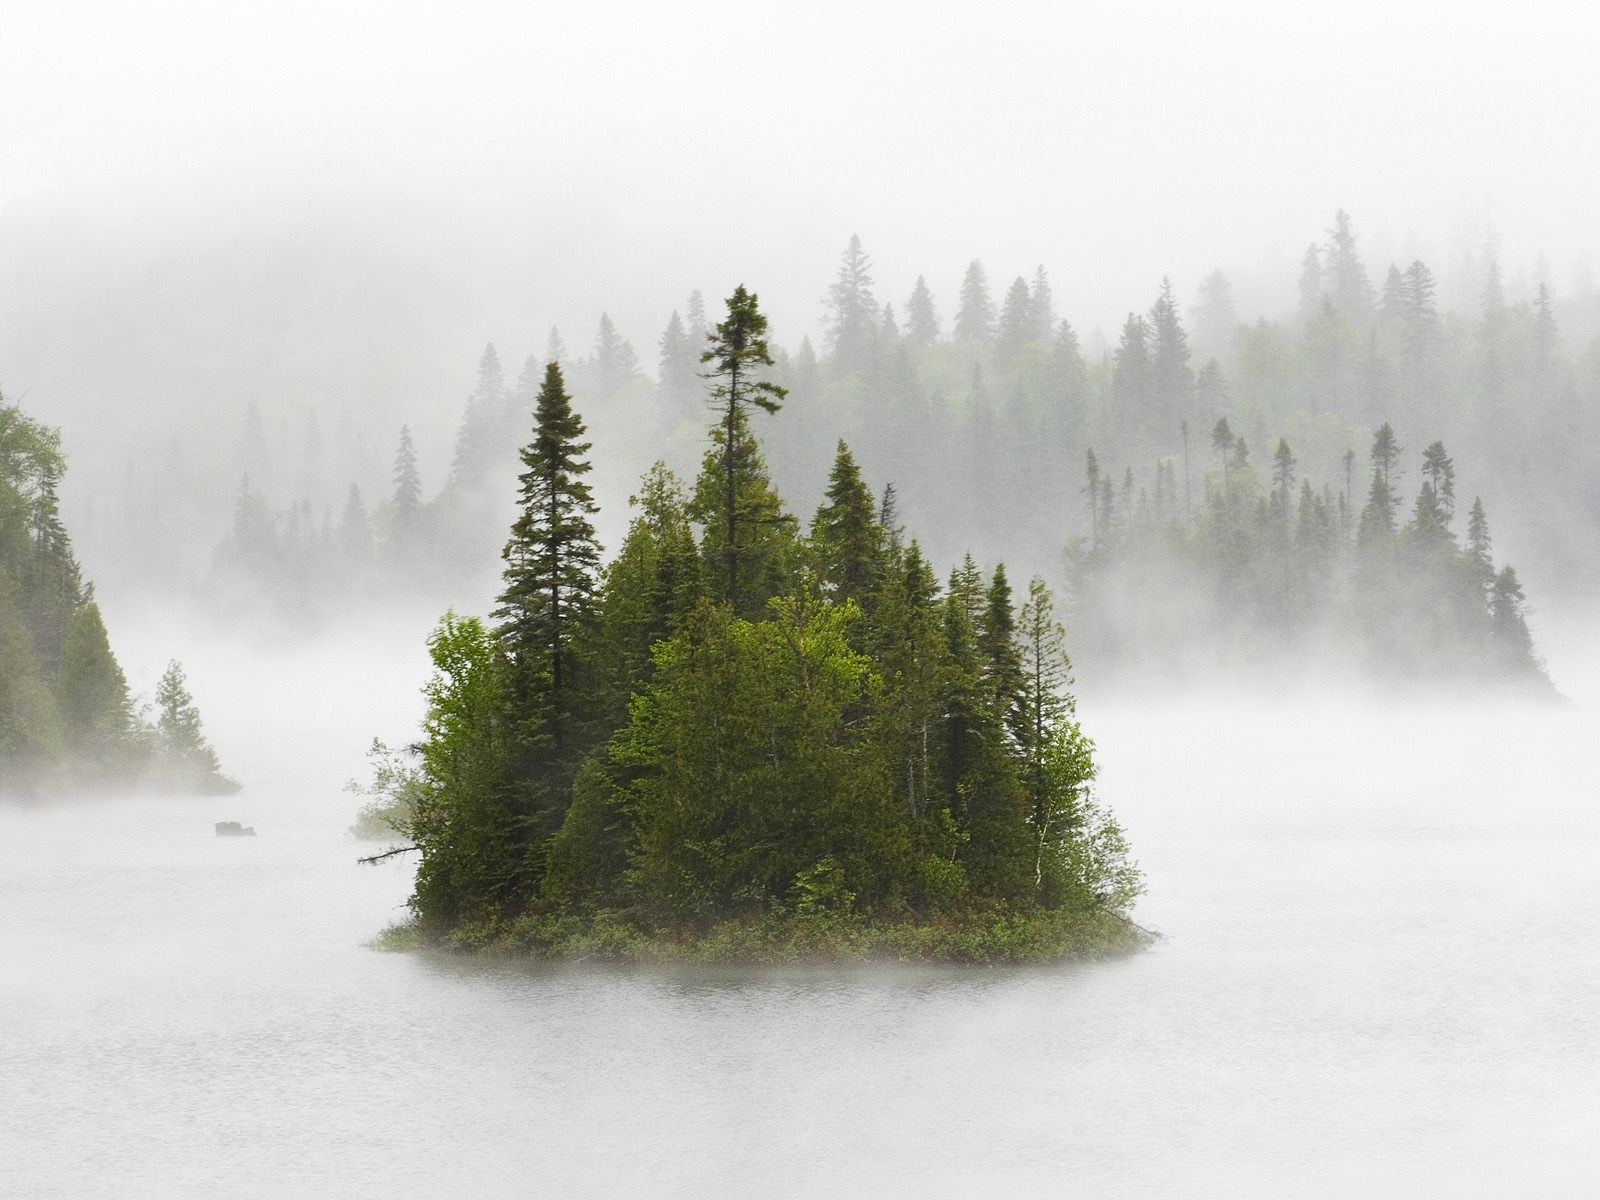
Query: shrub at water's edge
[[739, 740]]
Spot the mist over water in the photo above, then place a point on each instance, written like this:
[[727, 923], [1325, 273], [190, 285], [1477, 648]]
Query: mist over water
[[1381, 947], [1137, 296]]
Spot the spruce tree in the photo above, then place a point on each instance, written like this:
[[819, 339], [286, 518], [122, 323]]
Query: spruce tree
[[183, 755], [737, 351], [1016, 323], [1045, 701], [406, 501], [476, 440], [1043, 303], [847, 539], [1172, 379], [1002, 664], [975, 316], [546, 609], [922, 320], [853, 313]]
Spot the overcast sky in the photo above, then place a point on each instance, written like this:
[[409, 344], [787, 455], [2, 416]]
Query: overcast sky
[[588, 155]]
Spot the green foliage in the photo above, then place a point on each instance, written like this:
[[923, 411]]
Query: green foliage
[[798, 749], [66, 716], [183, 758], [1260, 573]]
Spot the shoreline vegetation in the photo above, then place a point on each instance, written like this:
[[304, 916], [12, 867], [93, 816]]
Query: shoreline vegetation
[[742, 741], [972, 938], [68, 723]]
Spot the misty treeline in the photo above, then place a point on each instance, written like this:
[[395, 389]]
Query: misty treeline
[[981, 406], [1260, 570], [746, 733], [67, 719]]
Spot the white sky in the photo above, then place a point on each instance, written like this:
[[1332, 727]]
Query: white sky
[[593, 155]]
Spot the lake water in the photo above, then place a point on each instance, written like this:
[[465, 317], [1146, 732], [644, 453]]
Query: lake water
[[1380, 976]]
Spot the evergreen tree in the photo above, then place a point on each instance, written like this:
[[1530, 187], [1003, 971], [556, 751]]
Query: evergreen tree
[[1044, 701], [184, 757], [546, 609], [614, 364], [1348, 286], [1172, 378], [975, 316], [1017, 326], [847, 539], [922, 320], [406, 501], [1311, 294], [1002, 664], [853, 313], [476, 437], [92, 692], [734, 466], [1044, 306]]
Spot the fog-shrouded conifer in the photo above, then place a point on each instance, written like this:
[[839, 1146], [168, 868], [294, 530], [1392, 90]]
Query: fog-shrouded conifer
[[922, 319], [975, 316]]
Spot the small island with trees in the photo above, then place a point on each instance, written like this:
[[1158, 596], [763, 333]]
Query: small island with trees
[[739, 740]]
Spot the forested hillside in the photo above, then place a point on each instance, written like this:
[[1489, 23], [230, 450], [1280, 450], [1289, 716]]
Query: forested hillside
[[743, 737], [67, 721]]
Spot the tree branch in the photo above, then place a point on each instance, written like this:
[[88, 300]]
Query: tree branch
[[377, 858]]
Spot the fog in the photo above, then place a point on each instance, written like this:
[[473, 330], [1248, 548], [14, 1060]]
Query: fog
[[1378, 962], [1344, 715]]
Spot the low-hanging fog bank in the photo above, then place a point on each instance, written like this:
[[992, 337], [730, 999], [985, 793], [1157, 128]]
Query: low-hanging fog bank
[[1379, 949]]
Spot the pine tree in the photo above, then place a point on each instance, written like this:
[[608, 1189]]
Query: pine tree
[[92, 692], [678, 370], [1440, 472], [476, 438], [1283, 464], [1017, 329], [1172, 378], [184, 756], [614, 363], [1002, 664], [847, 539], [852, 310], [1311, 294], [1044, 306], [1347, 283], [546, 609], [975, 316], [406, 501], [922, 320], [737, 351], [356, 544], [1045, 701]]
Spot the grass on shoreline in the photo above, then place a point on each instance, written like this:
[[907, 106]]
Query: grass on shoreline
[[994, 938]]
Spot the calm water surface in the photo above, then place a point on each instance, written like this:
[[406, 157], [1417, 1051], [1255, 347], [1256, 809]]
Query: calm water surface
[[1380, 976]]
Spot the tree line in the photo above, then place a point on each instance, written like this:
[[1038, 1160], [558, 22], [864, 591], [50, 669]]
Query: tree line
[[67, 718], [990, 404], [1264, 566]]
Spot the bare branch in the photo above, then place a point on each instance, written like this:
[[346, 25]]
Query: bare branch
[[377, 858]]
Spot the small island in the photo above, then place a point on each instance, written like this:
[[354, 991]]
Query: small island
[[742, 741]]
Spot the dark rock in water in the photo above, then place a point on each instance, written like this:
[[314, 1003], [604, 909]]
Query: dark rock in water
[[234, 829]]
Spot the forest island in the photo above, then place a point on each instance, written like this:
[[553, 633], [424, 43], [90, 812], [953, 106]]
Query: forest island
[[742, 740]]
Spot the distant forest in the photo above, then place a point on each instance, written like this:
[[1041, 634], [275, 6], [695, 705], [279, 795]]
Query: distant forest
[[67, 720], [981, 408]]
